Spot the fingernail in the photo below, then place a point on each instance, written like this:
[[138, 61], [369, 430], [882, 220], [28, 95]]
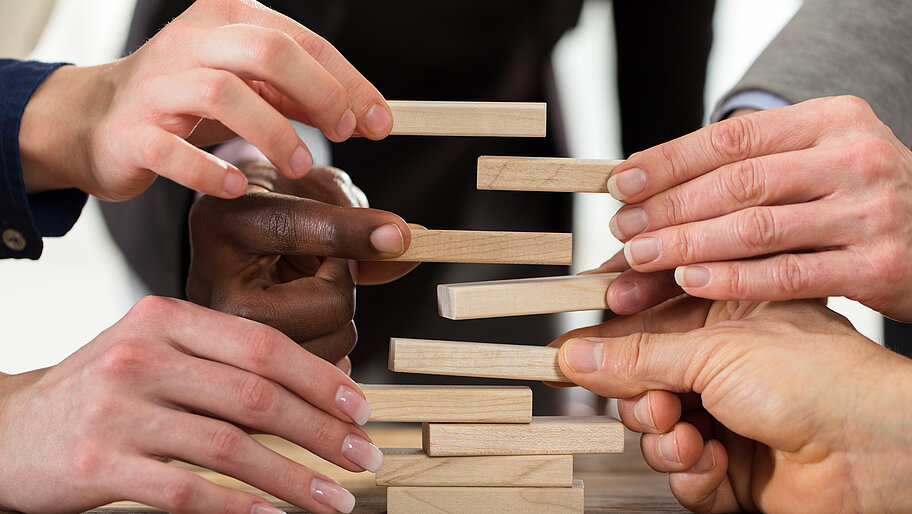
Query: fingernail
[[388, 239], [332, 495], [346, 124], [668, 447], [627, 296], [642, 411], [706, 462], [345, 365], [235, 183], [350, 402], [628, 222], [353, 269], [301, 161], [584, 356], [262, 508], [627, 183], [378, 121], [641, 251], [362, 453], [692, 276]]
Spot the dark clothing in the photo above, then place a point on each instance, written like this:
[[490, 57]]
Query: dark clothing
[[25, 219]]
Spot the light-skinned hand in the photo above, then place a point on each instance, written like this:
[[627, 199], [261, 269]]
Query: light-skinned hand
[[805, 201], [777, 407], [176, 380], [220, 69]]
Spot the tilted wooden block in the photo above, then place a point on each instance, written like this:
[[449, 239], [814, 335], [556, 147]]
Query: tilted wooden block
[[487, 360], [484, 246], [518, 297], [413, 467], [513, 119], [482, 500], [546, 435], [461, 404], [544, 174]]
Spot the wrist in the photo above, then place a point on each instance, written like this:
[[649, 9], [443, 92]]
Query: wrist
[[55, 131]]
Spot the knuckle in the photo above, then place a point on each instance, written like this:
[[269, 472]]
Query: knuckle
[[260, 346], [744, 182], [676, 164], [734, 137], [892, 264], [340, 302], [628, 357], [152, 151], [756, 229], [270, 46], [791, 276], [325, 433], [315, 45], [87, 460], [225, 443], [178, 494], [674, 208], [215, 89], [854, 106], [875, 157], [282, 227], [120, 361], [256, 395]]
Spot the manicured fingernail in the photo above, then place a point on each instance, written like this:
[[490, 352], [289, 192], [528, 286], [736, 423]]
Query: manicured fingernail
[[627, 183], [235, 183], [642, 411], [353, 269], [668, 447], [692, 276], [584, 356], [627, 297], [362, 453], [346, 124], [332, 495], [628, 223], [262, 508], [706, 462], [301, 161], [388, 239], [641, 251], [378, 121], [350, 402]]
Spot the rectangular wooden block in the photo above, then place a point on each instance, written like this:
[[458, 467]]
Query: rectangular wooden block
[[482, 500], [449, 404], [544, 174], [413, 467], [484, 246], [513, 119], [546, 435], [519, 297], [486, 360]]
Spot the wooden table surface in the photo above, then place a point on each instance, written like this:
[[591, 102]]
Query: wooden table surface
[[614, 483]]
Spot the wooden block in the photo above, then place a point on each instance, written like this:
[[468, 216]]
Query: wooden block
[[413, 467], [546, 435], [475, 359], [513, 119], [519, 297], [482, 246], [544, 174], [478, 500], [447, 404]]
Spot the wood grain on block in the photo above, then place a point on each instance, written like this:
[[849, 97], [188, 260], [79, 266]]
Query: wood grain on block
[[478, 500], [513, 119], [518, 297], [460, 404], [486, 360], [413, 467], [493, 247], [544, 174], [546, 435]]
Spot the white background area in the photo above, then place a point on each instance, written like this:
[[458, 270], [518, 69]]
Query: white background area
[[81, 284]]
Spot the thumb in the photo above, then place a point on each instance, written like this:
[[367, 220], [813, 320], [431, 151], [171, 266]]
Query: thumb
[[624, 367]]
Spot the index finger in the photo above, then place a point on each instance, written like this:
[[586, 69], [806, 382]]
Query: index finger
[[375, 120], [735, 139]]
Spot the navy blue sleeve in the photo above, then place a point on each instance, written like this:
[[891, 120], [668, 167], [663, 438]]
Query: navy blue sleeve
[[25, 219]]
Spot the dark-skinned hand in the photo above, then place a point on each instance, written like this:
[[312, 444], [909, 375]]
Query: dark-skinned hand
[[287, 255]]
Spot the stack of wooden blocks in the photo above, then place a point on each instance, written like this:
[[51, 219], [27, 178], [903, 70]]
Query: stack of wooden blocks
[[482, 449]]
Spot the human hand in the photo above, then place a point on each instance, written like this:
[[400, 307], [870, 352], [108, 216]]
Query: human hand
[[175, 380], [756, 406], [278, 256], [221, 68], [820, 191]]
